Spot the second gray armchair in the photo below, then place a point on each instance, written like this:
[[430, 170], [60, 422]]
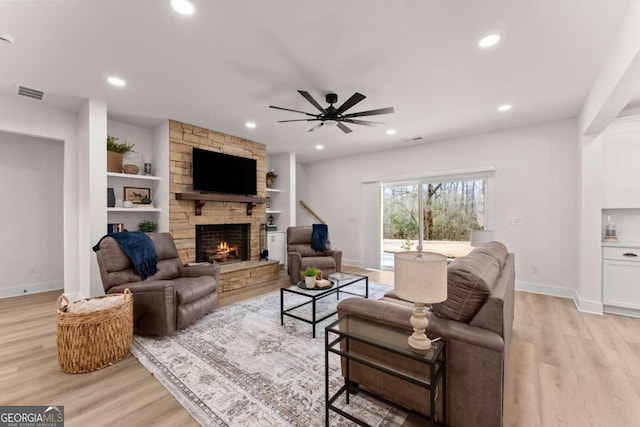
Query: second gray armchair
[[300, 254]]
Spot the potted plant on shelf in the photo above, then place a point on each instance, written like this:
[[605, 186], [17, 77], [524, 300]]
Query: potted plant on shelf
[[115, 151], [147, 226], [310, 274], [271, 178]]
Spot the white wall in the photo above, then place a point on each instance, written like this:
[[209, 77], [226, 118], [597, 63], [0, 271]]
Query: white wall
[[31, 256], [92, 157], [28, 117], [535, 180], [141, 137], [617, 82]]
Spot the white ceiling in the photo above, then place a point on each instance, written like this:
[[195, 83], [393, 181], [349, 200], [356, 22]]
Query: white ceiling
[[229, 61]]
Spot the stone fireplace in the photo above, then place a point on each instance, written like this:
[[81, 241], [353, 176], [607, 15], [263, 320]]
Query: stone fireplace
[[186, 216], [222, 243]]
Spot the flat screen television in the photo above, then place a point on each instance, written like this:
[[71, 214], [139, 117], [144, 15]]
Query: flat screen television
[[215, 172]]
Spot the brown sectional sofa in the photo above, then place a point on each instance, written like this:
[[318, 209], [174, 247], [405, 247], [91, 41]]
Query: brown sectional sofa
[[475, 322]]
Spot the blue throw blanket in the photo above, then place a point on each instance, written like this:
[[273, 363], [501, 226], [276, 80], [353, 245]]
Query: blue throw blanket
[[140, 250], [319, 237]]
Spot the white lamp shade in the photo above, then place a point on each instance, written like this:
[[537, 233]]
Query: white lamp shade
[[420, 277], [479, 237]]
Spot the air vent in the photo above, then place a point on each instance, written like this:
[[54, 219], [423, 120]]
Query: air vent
[[30, 93]]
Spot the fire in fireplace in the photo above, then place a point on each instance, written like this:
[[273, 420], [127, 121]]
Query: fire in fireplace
[[222, 243], [222, 252]]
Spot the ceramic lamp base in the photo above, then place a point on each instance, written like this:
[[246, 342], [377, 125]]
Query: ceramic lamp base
[[419, 340]]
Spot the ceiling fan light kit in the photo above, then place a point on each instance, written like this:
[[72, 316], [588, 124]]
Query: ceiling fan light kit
[[332, 116]]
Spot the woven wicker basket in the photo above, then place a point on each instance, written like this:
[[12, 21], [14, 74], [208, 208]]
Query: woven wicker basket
[[88, 341]]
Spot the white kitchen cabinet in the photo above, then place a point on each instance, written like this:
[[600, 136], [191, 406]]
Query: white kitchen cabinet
[[621, 278], [276, 246], [620, 171]]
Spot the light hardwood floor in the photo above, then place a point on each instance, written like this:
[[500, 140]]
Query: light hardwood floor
[[566, 368]]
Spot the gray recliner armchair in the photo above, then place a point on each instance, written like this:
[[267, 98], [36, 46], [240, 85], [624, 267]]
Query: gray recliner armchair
[[300, 254], [173, 298]]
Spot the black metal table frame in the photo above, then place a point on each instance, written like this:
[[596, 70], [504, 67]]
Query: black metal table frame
[[319, 295], [436, 375]]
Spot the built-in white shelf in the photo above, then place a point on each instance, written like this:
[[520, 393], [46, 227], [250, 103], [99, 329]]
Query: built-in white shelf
[[272, 212], [131, 176], [138, 210], [273, 190]]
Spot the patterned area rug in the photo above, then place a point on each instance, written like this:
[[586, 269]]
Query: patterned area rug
[[239, 367]]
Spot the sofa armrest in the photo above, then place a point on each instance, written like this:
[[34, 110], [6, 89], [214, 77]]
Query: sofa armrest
[[337, 255], [201, 270], [154, 306], [398, 316]]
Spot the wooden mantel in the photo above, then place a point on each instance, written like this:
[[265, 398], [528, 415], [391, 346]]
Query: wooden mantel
[[201, 198]]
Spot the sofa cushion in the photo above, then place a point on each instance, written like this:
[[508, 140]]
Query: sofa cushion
[[494, 249], [470, 280], [168, 269], [299, 240]]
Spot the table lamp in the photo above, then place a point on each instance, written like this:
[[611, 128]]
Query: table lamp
[[420, 277]]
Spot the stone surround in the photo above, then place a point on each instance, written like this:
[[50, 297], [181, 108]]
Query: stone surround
[[247, 273], [182, 219]]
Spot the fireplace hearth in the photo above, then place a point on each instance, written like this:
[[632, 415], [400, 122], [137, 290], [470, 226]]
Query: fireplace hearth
[[222, 243]]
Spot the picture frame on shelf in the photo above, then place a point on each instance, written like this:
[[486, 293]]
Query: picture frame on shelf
[[136, 194]]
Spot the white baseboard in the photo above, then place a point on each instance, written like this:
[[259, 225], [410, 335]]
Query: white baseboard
[[622, 311], [587, 306], [353, 262], [538, 288], [31, 288]]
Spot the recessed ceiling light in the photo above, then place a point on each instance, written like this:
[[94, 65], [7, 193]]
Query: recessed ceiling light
[[505, 107], [391, 132], [183, 7], [250, 125], [116, 81], [319, 147], [6, 38], [489, 40]]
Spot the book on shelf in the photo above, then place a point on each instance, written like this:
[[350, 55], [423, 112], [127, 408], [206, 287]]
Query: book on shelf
[[115, 228]]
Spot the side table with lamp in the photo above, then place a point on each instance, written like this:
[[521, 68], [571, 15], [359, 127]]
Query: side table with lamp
[[420, 277]]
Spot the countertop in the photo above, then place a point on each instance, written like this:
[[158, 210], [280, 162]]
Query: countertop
[[621, 244]]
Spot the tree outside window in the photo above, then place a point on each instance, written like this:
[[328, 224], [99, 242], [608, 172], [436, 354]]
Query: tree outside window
[[451, 210]]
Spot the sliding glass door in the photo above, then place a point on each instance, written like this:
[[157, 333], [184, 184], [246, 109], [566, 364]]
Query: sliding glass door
[[451, 209]]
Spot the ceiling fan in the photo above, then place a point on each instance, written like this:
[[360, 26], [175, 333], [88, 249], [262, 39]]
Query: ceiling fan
[[335, 116]]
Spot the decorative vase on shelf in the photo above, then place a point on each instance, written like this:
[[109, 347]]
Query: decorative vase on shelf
[[131, 163], [111, 198]]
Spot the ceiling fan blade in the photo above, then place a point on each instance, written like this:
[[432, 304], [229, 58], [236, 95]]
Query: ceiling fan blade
[[298, 120], [355, 98], [387, 110], [363, 122], [344, 128], [313, 102], [316, 127], [289, 109]]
